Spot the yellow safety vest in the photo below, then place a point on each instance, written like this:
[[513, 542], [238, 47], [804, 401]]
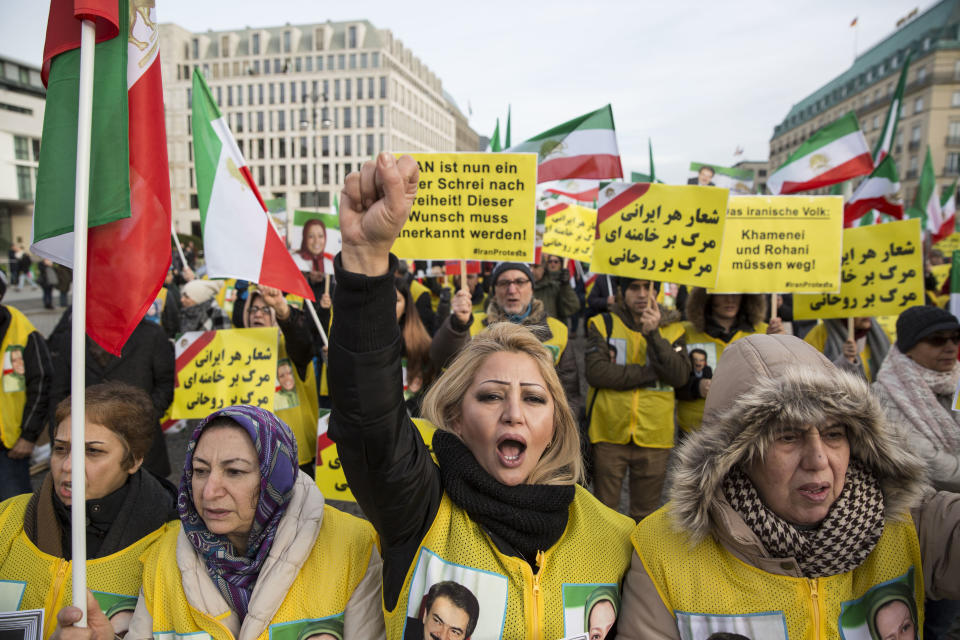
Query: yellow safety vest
[[641, 416], [690, 412], [32, 579], [708, 589], [515, 602], [300, 417], [817, 338], [321, 590], [556, 344], [14, 385]]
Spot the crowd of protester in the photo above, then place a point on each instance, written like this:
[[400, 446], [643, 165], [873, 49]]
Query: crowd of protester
[[777, 478]]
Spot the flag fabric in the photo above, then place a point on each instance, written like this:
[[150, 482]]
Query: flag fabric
[[653, 173], [853, 22], [506, 141], [927, 203], [835, 153], [128, 241], [495, 140], [585, 147], [880, 191], [885, 141], [948, 206], [955, 288], [579, 190], [238, 238]]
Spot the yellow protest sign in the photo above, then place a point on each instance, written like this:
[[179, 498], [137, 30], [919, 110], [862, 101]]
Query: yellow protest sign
[[882, 274], [472, 206], [660, 232], [216, 369], [328, 473], [949, 244], [781, 244], [569, 230], [940, 273]]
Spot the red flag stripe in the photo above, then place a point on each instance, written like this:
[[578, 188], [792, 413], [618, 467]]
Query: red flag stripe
[[596, 167], [194, 349], [128, 259], [858, 166], [245, 170], [64, 26], [557, 208], [628, 195]]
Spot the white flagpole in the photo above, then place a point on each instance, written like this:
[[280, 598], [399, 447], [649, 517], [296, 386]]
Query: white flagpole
[[78, 449], [316, 321], [176, 242]]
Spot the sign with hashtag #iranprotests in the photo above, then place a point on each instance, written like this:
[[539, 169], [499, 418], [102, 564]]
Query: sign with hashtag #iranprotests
[[781, 244], [472, 206]]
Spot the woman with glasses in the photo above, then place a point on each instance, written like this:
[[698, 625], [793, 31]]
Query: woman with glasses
[[916, 385]]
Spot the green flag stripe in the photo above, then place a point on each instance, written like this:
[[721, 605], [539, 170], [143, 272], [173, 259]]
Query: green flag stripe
[[110, 140], [602, 118], [206, 144], [844, 125]]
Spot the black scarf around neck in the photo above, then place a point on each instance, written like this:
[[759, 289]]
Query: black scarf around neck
[[527, 517]]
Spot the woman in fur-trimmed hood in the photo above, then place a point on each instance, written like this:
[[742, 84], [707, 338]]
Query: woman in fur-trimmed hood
[[793, 500]]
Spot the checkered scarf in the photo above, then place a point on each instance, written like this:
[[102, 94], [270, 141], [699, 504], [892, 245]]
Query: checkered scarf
[[235, 575], [840, 543]]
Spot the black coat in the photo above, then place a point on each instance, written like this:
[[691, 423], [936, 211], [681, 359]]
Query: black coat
[[147, 362]]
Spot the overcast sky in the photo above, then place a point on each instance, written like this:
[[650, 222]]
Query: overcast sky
[[699, 79]]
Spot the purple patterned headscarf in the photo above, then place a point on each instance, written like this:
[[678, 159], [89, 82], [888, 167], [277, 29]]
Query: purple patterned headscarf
[[235, 575]]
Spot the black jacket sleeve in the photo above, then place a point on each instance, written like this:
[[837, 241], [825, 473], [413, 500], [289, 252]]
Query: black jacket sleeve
[[164, 371], [299, 333], [386, 462], [39, 379]]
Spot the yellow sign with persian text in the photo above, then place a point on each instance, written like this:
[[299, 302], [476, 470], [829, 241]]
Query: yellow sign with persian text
[[472, 206], [882, 274], [949, 244], [569, 230], [660, 232], [329, 475], [217, 369], [781, 244]]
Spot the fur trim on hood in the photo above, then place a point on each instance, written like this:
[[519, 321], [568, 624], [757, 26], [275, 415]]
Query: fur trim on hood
[[753, 308], [763, 382]]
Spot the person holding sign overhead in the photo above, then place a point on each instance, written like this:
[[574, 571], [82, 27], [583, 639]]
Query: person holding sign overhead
[[635, 357], [500, 510], [513, 301], [713, 322]]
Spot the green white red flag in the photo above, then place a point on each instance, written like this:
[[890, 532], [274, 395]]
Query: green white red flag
[[239, 239], [835, 153], [884, 144], [579, 190], [926, 206], [585, 147], [128, 250], [948, 206], [880, 191]]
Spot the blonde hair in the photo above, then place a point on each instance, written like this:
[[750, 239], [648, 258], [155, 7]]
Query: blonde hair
[[561, 462]]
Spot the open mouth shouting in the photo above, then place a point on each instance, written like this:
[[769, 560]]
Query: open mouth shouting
[[511, 449]]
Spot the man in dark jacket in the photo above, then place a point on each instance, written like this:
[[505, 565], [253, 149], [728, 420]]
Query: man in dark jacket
[[24, 396], [635, 356], [146, 361]]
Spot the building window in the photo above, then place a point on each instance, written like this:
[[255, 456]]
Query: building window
[[363, 61], [918, 105], [260, 94], [281, 175], [282, 99], [330, 66], [319, 63], [952, 166], [347, 89], [286, 42], [308, 63], [281, 121], [326, 174], [303, 146], [293, 92], [229, 95], [325, 146], [36, 148], [225, 46], [370, 93], [260, 122], [239, 123], [336, 89], [347, 151], [194, 202], [21, 146], [346, 117], [195, 48], [383, 86], [219, 96], [353, 61], [277, 66], [24, 184], [298, 64], [341, 61], [359, 88], [375, 60], [921, 74], [370, 122], [370, 149], [352, 37], [955, 101], [255, 44]]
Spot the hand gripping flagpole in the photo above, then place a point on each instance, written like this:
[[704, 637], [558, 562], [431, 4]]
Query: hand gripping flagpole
[[78, 488]]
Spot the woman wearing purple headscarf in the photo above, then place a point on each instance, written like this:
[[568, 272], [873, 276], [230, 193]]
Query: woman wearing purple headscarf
[[257, 548]]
